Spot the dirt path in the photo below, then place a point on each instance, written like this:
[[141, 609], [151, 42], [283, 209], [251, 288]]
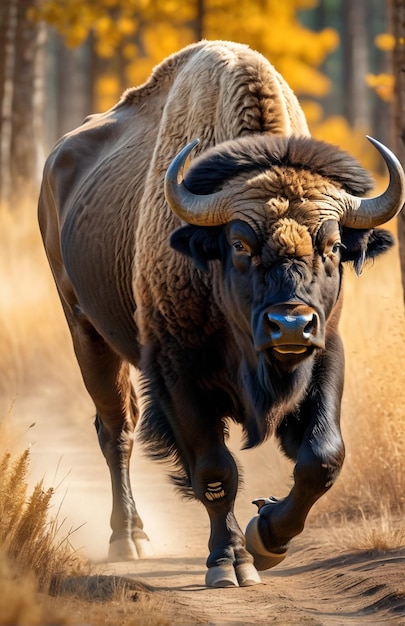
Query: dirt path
[[315, 585]]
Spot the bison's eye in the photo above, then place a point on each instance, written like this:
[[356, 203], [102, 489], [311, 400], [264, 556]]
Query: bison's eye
[[241, 256], [332, 249], [337, 246], [238, 246]]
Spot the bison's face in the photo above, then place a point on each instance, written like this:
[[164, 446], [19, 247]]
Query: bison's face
[[281, 216], [279, 291]]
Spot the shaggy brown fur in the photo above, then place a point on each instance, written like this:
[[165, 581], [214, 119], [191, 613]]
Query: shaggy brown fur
[[299, 153]]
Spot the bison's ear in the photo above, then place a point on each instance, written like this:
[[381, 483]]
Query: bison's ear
[[201, 243], [364, 245]]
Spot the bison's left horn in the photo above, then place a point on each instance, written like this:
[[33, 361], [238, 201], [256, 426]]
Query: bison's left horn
[[372, 212], [200, 210]]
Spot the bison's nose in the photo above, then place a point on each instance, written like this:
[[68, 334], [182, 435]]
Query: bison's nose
[[289, 328], [292, 327]]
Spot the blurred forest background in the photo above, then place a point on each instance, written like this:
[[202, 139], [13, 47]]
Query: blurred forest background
[[63, 59]]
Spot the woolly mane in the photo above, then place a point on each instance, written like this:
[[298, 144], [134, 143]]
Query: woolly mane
[[256, 153]]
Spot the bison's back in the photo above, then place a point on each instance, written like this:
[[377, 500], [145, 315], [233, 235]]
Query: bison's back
[[102, 210]]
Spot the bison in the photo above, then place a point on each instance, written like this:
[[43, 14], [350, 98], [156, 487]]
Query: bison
[[221, 284]]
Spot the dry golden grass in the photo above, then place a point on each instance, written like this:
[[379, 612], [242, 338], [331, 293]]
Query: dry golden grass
[[380, 532], [27, 536], [32, 562], [42, 581], [21, 604]]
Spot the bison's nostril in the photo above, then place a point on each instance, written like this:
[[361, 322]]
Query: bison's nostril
[[274, 328], [310, 327]]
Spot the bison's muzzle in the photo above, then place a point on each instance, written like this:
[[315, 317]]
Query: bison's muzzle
[[288, 328]]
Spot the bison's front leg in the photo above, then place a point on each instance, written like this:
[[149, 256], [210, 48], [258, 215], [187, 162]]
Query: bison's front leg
[[313, 439], [215, 482]]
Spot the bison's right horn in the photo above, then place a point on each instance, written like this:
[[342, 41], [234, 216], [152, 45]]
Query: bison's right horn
[[200, 210], [372, 212]]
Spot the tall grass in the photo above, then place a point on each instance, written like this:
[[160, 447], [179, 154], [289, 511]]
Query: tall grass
[[33, 561], [381, 531], [27, 535]]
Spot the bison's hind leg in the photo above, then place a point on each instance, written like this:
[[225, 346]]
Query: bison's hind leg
[[107, 379]]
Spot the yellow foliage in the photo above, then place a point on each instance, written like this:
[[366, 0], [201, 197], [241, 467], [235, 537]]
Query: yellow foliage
[[163, 26], [105, 49], [72, 18], [107, 87], [336, 130], [140, 33], [271, 27], [129, 51], [383, 85], [303, 78], [126, 25], [76, 36], [138, 70], [312, 110], [103, 25], [385, 41], [159, 41]]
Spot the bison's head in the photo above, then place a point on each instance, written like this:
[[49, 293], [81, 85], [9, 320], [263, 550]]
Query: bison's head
[[282, 215]]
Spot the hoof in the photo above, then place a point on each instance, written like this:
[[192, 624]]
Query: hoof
[[263, 558], [122, 550], [143, 548], [247, 575], [221, 576]]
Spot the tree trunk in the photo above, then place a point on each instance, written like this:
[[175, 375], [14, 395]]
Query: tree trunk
[[74, 87], [199, 30], [23, 155], [39, 101], [21, 99], [8, 13], [356, 98], [397, 22]]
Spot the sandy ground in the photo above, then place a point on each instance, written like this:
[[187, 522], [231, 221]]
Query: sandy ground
[[316, 584]]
